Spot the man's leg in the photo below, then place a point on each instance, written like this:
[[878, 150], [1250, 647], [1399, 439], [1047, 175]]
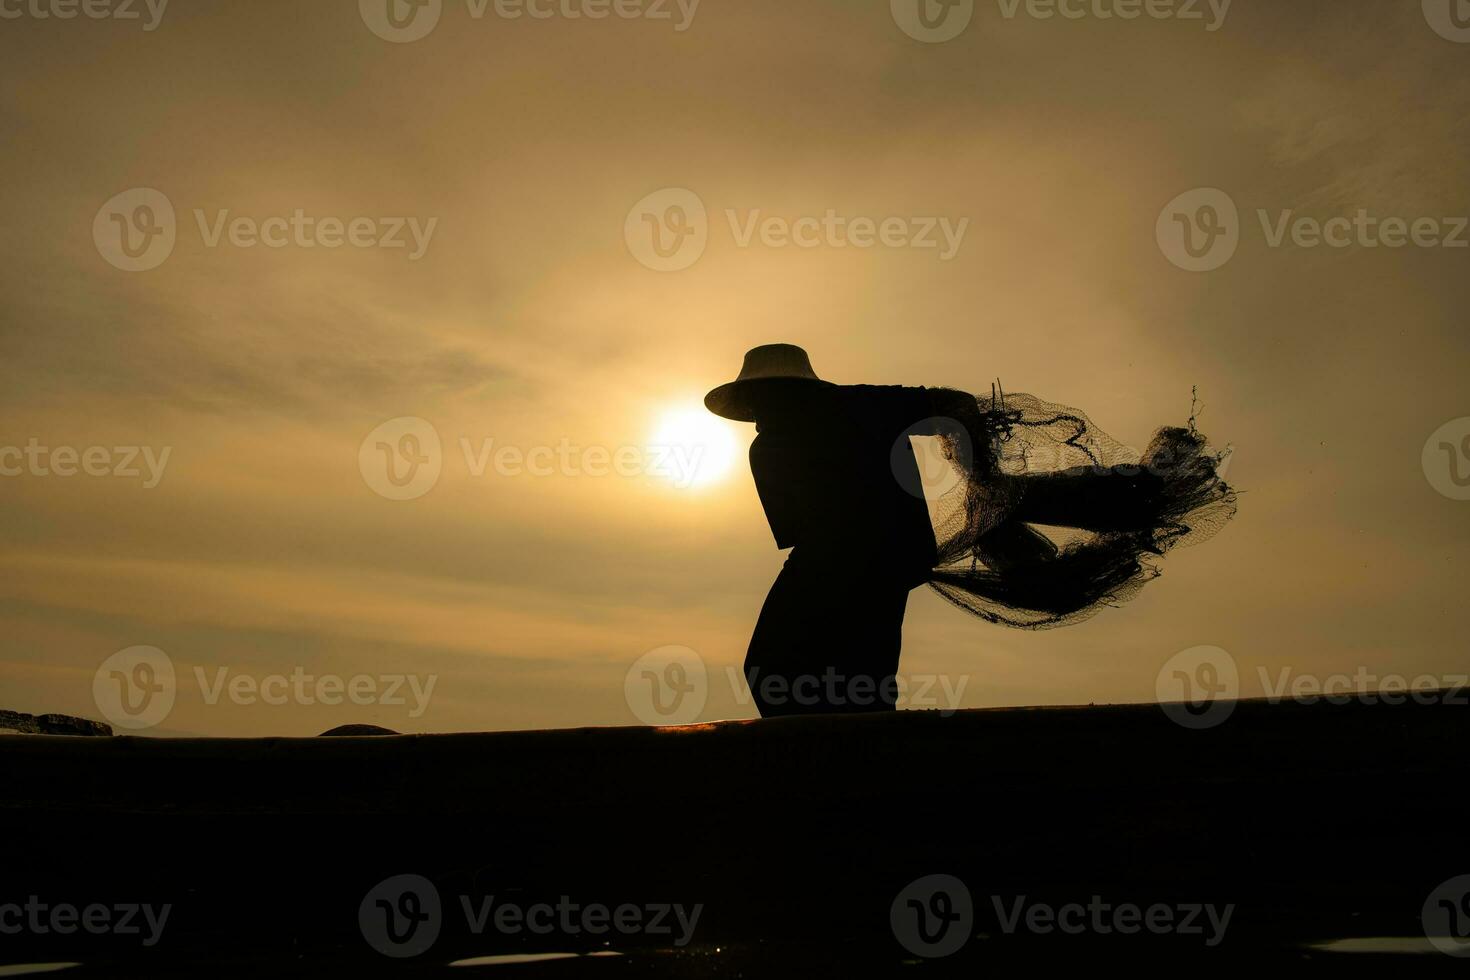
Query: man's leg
[[867, 652], [778, 639]]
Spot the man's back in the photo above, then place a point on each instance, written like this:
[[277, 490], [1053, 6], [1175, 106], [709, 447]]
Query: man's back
[[837, 476]]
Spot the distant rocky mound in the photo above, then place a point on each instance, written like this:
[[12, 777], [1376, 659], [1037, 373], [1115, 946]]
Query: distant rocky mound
[[16, 723], [357, 730]]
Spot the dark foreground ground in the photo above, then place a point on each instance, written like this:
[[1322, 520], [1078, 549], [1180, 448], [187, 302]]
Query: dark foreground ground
[[795, 838]]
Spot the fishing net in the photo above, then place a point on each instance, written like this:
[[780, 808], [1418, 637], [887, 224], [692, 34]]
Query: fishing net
[[1024, 465]]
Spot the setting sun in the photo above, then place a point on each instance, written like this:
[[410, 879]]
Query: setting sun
[[695, 448]]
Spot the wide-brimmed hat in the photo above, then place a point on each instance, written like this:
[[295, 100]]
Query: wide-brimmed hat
[[768, 368]]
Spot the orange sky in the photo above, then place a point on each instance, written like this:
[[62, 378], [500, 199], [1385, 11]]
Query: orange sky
[[527, 319]]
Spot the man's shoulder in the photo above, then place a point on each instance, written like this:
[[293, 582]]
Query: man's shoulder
[[887, 405]]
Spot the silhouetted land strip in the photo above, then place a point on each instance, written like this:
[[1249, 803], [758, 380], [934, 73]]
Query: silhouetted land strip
[[1317, 821]]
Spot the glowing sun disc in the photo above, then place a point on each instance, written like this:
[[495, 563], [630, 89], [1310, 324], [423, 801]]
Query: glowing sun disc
[[692, 448]]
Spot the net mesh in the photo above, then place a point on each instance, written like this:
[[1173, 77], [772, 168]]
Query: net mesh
[[1024, 464]]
